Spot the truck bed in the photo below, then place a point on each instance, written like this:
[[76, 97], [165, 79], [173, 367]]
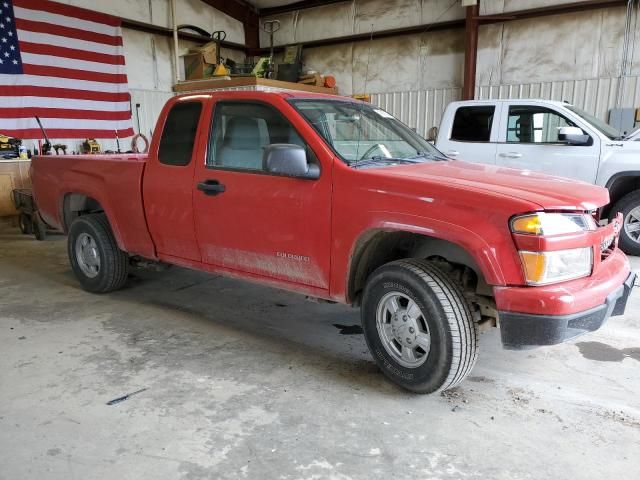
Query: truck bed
[[114, 181]]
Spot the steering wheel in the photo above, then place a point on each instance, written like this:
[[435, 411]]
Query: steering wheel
[[378, 146]]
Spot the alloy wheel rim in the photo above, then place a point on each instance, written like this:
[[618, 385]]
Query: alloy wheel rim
[[403, 329], [87, 255], [632, 224]]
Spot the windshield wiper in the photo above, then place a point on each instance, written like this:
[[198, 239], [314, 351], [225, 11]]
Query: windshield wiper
[[430, 155], [381, 159]]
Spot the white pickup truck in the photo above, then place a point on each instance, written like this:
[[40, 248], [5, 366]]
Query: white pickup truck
[[550, 137]]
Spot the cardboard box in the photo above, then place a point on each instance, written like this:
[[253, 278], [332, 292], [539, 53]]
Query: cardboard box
[[208, 50], [196, 68]]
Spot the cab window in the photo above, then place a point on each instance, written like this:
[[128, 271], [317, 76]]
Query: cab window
[[241, 130], [529, 124], [473, 124]]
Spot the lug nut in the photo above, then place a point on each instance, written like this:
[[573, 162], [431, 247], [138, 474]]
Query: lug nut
[[409, 341], [411, 330]]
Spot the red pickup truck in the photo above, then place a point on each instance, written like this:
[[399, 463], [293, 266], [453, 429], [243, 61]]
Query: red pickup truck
[[338, 200]]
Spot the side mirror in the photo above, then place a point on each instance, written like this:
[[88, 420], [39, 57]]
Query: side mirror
[[432, 134], [289, 160], [573, 136]]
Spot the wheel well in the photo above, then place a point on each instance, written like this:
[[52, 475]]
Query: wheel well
[[76, 204], [378, 248], [620, 187]]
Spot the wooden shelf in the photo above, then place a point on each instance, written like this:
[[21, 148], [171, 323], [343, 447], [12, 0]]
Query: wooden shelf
[[250, 83]]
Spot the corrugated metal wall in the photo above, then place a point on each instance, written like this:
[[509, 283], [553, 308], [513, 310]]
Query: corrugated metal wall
[[423, 109]]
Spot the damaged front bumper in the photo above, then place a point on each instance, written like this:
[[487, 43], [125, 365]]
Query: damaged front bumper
[[547, 315]]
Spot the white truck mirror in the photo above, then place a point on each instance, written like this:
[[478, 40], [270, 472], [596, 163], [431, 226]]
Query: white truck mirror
[[572, 136]]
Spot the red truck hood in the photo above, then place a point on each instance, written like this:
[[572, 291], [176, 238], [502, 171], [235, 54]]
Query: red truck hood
[[547, 191]]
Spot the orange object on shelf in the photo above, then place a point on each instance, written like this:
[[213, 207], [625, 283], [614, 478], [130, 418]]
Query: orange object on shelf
[[329, 81]]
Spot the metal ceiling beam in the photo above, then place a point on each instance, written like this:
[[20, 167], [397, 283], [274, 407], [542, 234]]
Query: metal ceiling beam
[[363, 37], [292, 7], [168, 32], [551, 10]]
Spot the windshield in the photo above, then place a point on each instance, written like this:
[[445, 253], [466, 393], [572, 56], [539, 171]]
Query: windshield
[[604, 128], [361, 134]]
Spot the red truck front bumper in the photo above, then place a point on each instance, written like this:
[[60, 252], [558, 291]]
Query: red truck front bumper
[[532, 316]]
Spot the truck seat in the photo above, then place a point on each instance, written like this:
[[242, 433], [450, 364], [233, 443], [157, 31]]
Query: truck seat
[[242, 146]]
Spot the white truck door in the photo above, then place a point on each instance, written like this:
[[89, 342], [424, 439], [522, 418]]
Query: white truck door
[[529, 140], [470, 132]]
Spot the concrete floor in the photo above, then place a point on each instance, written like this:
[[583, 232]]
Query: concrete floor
[[249, 382]]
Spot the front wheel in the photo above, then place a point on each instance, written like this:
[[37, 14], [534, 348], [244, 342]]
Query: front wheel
[[629, 206], [419, 326], [97, 262]]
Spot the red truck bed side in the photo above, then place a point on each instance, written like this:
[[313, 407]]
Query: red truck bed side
[[113, 181]]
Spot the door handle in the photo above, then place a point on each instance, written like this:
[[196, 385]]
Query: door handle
[[211, 187], [511, 155], [453, 153]]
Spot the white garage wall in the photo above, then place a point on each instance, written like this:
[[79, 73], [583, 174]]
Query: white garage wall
[[539, 56]]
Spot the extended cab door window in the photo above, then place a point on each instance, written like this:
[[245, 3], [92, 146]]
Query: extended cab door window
[[242, 130], [472, 135], [178, 135]]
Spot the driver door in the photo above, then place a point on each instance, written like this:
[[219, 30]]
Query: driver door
[[530, 141], [253, 221]]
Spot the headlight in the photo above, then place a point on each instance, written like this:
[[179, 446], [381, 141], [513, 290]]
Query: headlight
[[544, 223], [541, 268]]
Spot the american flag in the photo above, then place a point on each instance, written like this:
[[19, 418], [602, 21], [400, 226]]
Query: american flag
[[64, 64]]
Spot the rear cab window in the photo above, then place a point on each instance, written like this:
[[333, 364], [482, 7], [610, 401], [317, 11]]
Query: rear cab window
[[473, 124], [179, 133]]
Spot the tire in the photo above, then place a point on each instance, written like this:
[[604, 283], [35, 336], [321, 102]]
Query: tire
[[39, 228], [25, 224], [445, 316], [97, 262], [629, 206]]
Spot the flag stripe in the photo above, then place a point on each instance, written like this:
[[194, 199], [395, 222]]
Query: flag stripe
[[48, 71], [31, 112], [72, 63], [20, 91], [68, 11], [65, 133], [53, 51], [62, 31], [63, 123], [39, 81], [38, 15], [55, 40], [73, 104]]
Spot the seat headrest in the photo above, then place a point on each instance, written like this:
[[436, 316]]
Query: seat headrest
[[242, 133]]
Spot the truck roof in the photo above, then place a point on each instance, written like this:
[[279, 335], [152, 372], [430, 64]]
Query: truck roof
[[524, 100], [284, 94]]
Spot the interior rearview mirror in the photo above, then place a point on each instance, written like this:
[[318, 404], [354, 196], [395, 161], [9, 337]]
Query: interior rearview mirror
[[289, 160], [572, 136]]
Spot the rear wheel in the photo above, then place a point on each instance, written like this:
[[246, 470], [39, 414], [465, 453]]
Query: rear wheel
[[97, 262], [419, 326], [629, 206]]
